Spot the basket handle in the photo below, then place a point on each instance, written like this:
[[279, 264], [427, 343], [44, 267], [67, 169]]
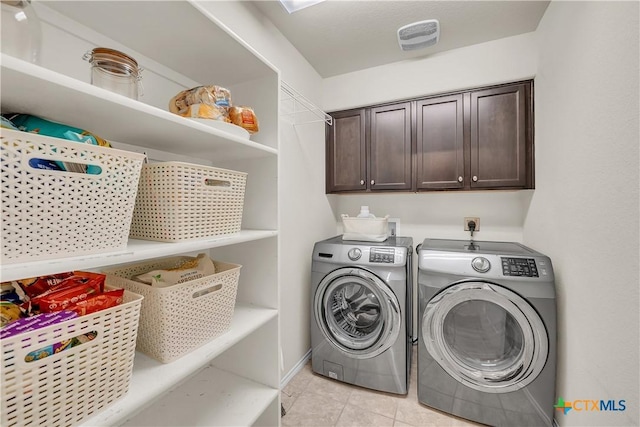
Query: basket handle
[[218, 184], [21, 354], [56, 166], [206, 291]]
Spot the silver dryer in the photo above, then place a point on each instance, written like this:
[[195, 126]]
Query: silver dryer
[[487, 338]]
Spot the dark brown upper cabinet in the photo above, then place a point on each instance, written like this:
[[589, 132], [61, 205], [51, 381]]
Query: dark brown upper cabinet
[[369, 149], [476, 139], [501, 137], [440, 143], [346, 152], [390, 153]]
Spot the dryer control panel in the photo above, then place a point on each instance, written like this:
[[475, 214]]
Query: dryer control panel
[[525, 267]]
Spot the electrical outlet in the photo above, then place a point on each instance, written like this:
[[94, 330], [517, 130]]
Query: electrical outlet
[[474, 219], [394, 226]]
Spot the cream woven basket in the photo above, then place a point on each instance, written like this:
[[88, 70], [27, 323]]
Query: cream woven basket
[[51, 214], [65, 388], [178, 319], [180, 201]]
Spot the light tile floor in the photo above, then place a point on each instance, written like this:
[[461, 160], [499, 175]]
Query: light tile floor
[[314, 400]]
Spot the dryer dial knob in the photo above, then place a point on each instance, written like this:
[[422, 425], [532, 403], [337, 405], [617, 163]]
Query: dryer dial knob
[[480, 264], [354, 254]]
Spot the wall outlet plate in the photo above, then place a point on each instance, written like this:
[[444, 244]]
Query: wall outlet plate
[[394, 226], [471, 218]]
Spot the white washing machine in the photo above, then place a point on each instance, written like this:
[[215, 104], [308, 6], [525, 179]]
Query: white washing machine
[[487, 338], [361, 312]]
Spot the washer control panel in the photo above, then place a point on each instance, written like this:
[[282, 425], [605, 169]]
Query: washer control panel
[[525, 267], [382, 255]]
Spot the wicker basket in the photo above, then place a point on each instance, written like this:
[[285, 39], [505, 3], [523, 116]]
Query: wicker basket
[[365, 229], [180, 201], [178, 319], [65, 388], [52, 214]]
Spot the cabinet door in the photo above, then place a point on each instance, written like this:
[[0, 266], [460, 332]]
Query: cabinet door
[[346, 152], [390, 147], [501, 137], [440, 143]]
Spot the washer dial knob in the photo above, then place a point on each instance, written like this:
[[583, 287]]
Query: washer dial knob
[[480, 264], [354, 254]]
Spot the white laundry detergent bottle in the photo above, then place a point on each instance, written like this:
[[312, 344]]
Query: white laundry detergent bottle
[[364, 213]]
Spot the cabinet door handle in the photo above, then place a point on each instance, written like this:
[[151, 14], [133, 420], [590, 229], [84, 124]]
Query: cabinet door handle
[[460, 179], [475, 178], [373, 182], [362, 182]]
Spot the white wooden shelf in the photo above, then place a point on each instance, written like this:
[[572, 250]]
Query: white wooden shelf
[[226, 399], [203, 48], [137, 250], [214, 398], [29, 88]]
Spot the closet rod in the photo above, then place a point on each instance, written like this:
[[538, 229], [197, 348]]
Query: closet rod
[[305, 105]]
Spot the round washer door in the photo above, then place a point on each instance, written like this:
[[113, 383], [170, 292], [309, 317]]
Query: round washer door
[[485, 336], [357, 312]]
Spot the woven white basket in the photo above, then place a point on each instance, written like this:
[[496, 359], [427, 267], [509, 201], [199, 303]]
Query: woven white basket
[[180, 201], [65, 388], [178, 319], [365, 229], [51, 214]]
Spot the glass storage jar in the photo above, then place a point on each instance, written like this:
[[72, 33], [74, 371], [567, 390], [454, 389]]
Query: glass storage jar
[[115, 71], [21, 32]]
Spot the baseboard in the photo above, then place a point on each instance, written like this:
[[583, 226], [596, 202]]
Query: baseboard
[[297, 368]]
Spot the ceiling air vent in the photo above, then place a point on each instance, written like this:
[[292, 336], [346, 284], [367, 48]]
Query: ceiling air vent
[[419, 34]]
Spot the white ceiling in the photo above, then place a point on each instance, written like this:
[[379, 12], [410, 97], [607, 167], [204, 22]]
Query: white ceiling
[[338, 37]]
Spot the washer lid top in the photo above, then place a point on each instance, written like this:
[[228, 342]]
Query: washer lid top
[[479, 247], [392, 241]]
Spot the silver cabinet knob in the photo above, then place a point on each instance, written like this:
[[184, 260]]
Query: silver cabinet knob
[[373, 182], [460, 179], [475, 178], [362, 182]]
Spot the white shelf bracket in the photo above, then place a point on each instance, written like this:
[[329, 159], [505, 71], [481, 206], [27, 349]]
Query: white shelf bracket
[[299, 109]]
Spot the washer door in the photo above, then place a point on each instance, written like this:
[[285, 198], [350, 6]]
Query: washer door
[[357, 312], [485, 336]]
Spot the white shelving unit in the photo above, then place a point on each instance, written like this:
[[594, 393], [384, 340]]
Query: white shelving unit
[[234, 379]]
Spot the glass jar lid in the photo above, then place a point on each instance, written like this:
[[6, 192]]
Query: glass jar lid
[[113, 61]]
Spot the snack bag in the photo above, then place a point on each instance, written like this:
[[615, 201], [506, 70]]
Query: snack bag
[[35, 286], [34, 124], [212, 103], [99, 302], [70, 291], [9, 313], [245, 118], [192, 269], [35, 322]]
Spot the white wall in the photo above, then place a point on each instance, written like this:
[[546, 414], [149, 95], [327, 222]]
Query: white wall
[[584, 212], [495, 62], [305, 214]]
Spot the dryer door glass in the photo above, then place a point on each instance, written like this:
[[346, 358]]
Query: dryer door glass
[[486, 336], [483, 336], [357, 312]]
